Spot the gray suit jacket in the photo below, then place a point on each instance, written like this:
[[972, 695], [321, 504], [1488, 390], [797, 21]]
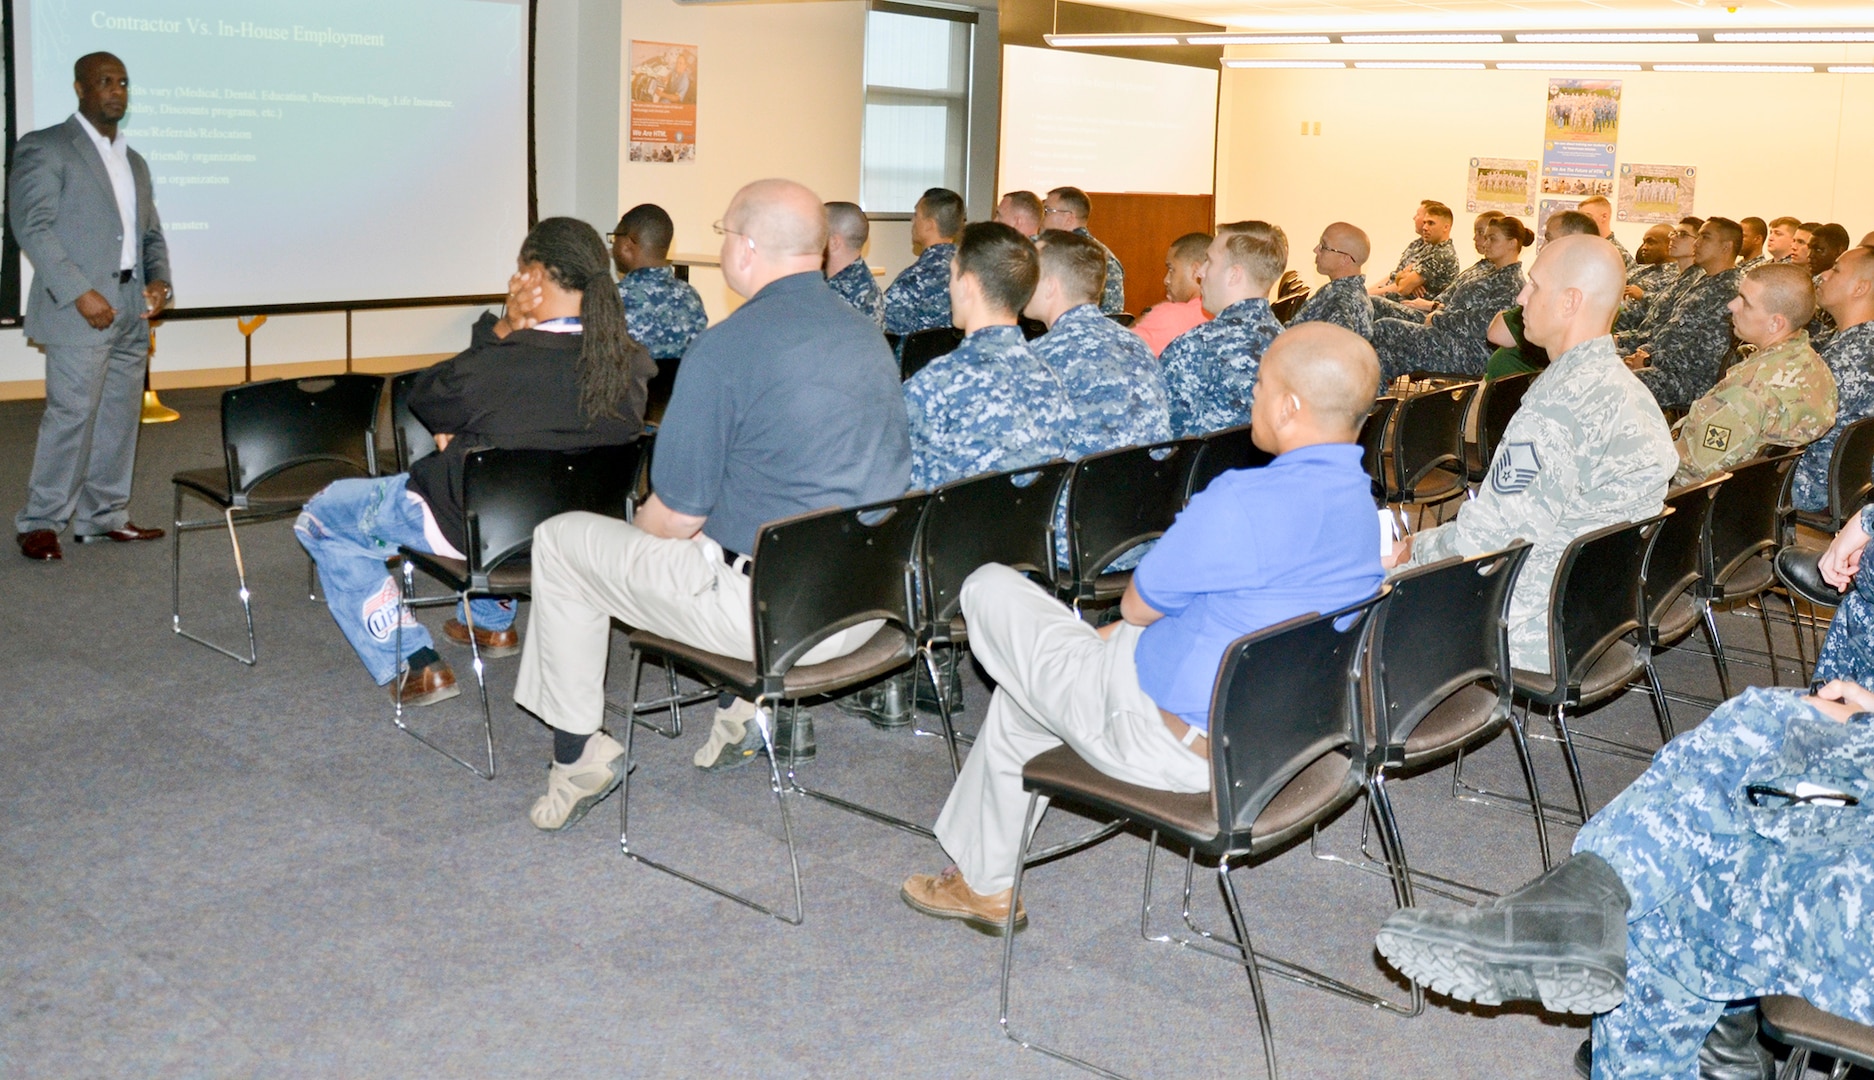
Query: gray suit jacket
[[64, 213]]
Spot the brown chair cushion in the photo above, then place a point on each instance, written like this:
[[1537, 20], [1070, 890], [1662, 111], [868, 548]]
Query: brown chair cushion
[[1794, 1021], [1060, 771], [1457, 720], [886, 650], [1616, 667], [1748, 580], [286, 491], [515, 576], [1311, 796], [1680, 618]]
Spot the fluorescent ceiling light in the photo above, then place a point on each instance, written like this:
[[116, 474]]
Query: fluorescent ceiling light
[[1606, 37], [1257, 39], [1563, 65], [1796, 36], [1794, 68], [1095, 41], [1237, 62], [1421, 39], [1420, 65], [1851, 69]]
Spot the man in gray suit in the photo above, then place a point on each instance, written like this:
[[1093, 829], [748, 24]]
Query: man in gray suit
[[82, 210]]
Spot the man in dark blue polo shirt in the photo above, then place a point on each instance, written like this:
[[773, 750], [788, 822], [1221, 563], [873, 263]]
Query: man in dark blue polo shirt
[[1254, 548], [789, 405]]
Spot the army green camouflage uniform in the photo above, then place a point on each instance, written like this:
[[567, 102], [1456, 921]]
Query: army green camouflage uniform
[[1588, 448], [1687, 346], [1782, 396]]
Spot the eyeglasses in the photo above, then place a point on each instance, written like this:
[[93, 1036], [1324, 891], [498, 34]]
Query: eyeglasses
[[1323, 248], [1046, 210], [724, 230], [612, 237], [1765, 795]]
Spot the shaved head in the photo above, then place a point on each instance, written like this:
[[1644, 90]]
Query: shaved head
[[1349, 240], [782, 218], [1787, 291], [1847, 288], [1331, 369], [1572, 292]]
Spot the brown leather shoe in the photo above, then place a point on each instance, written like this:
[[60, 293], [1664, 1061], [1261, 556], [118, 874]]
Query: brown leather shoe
[[128, 534], [493, 644], [426, 685], [41, 544], [948, 896]]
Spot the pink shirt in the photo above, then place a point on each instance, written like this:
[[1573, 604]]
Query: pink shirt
[[1167, 320]]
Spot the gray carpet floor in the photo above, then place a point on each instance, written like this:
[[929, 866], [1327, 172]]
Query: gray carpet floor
[[211, 870]]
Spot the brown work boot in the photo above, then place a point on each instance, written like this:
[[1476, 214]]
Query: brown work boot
[[492, 644], [948, 896], [424, 680]]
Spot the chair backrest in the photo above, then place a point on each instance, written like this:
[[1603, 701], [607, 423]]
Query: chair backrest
[[1443, 627], [1851, 470], [1221, 451], [505, 493], [818, 573], [1497, 405], [982, 520], [1290, 294], [1596, 597], [1031, 328], [1121, 498], [1745, 513], [270, 427], [1285, 695], [1373, 437], [1673, 567], [412, 440], [1429, 434], [920, 347], [1123, 318]]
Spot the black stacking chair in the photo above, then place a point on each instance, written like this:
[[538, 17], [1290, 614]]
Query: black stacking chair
[[920, 347], [1438, 682], [1799, 571], [505, 493], [1672, 572], [1115, 501], [1221, 451], [814, 575], [1596, 609], [1286, 752], [1373, 442], [1807, 1030], [1290, 294], [283, 441], [1497, 402], [1738, 547], [1427, 461], [1850, 477], [1123, 318], [412, 439]]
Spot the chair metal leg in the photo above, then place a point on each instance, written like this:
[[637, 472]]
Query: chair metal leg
[[1662, 710], [1796, 1066], [957, 738], [1551, 812], [1769, 642], [673, 701], [1521, 743], [1559, 715], [1717, 649], [1235, 904], [407, 600], [312, 579], [766, 727], [240, 569], [940, 689]]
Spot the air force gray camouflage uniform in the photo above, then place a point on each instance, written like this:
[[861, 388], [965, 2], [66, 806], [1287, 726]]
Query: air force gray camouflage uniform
[[1437, 263], [663, 312], [1343, 302], [856, 286], [1455, 339], [1210, 369], [1729, 901], [1849, 355], [1586, 449], [1113, 299], [989, 405], [919, 297]]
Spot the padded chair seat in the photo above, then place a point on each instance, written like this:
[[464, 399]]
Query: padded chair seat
[[286, 491], [1680, 619], [1609, 675], [1748, 580], [887, 649], [1456, 721], [1793, 1021], [515, 575], [1440, 483], [1800, 572], [1109, 586]]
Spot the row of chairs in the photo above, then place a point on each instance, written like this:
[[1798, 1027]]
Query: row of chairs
[[1414, 446]]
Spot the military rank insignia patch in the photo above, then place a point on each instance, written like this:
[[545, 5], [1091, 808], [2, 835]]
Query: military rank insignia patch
[[1717, 438], [1515, 468]]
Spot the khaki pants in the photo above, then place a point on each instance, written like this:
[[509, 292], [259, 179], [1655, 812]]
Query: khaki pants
[[1057, 682], [589, 569]]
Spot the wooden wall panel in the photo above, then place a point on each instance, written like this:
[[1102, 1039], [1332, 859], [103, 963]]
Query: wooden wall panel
[[1137, 228]]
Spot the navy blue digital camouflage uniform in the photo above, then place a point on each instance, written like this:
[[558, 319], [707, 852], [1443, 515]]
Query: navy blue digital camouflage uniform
[[1653, 280], [1730, 901], [663, 312], [1848, 650], [857, 287], [1454, 340], [989, 405], [1343, 302], [1387, 308], [1849, 355], [919, 297], [1113, 299], [1436, 262], [1210, 369], [1686, 346]]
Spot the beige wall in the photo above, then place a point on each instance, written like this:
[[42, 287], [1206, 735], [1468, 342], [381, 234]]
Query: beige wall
[[1764, 144]]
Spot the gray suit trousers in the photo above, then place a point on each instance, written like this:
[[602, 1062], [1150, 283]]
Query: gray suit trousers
[[88, 435]]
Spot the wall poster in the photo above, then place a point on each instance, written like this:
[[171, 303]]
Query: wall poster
[[1657, 194], [1506, 184], [663, 102], [1581, 129]]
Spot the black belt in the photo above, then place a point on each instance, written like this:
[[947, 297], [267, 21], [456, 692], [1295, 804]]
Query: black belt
[[738, 562], [124, 276]]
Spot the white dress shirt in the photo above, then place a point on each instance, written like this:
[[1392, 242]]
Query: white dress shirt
[[116, 155]]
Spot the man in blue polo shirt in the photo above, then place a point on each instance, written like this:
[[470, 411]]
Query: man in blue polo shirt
[[1133, 698]]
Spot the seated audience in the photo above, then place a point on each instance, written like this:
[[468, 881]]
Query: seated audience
[[991, 404], [1069, 208], [1751, 255], [1825, 246], [1654, 267], [558, 371], [1679, 357], [663, 312], [1210, 369], [1600, 211], [1256, 547], [1415, 309], [1184, 296], [1848, 650], [919, 297], [1515, 352], [1021, 211], [1452, 336], [789, 405], [1739, 865], [1780, 245], [1339, 255], [1586, 449], [1805, 235], [1781, 395], [1847, 293], [1677, 274], [846, 271], [1428, 264]]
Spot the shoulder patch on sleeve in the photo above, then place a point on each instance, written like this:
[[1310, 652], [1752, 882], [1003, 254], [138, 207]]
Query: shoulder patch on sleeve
[[1717, 438], [1516, 468]]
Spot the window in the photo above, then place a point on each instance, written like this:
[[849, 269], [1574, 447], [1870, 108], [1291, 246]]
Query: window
[[917, 104]]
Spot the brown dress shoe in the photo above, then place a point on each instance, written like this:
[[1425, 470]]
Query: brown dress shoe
[[426, 685], [128, 534], [41, 544], [492, 644], [948, 896]]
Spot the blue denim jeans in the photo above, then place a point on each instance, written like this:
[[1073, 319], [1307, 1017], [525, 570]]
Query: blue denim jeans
[[349, 529]]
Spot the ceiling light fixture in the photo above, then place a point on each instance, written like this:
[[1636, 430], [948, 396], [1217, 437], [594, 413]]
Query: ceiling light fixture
[[1756, 68], [1239, 62], [1420, 65], [1607, 37], [1851, 69], [1257, 39], [1421, 39], [1107, 41], [1793, 36], [1563, 65]]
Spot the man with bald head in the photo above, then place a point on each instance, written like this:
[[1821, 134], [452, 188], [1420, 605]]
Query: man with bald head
[[791, 404], [1021, 211], [847, 230], [1846, 292], [1256, 547], [1782, 395], [1340, 254], [1587, 448]]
